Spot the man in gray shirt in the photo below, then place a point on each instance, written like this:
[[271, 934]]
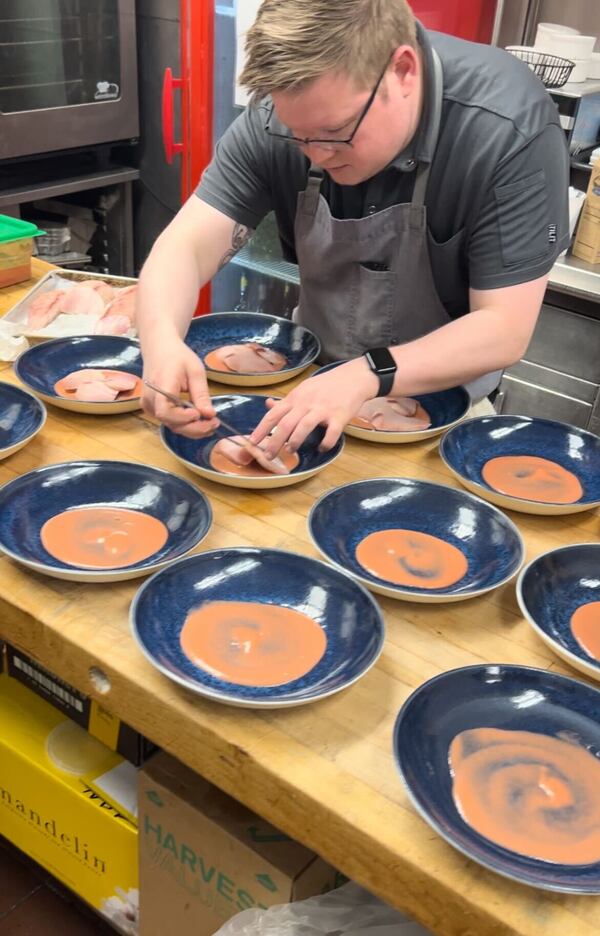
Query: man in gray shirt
[[420, 182]]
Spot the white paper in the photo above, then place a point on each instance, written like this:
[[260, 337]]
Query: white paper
[[245, 14]]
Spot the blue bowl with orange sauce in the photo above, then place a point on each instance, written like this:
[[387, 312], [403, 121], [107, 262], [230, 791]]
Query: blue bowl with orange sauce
[[42, 365], [491, 542], [466, 448], [244, 412], [445, 408], [344, 609], [509, 698], [298, 344], [22, 416], [549, 591], [27, 502]]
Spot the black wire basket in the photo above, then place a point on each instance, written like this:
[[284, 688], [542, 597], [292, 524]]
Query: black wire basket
[[553, 71]]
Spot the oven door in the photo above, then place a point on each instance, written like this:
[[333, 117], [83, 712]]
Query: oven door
[[68, 74]]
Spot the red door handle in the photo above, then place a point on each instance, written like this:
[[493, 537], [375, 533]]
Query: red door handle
[[170, 84]]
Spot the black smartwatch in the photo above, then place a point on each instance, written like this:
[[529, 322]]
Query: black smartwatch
[[384, 366]]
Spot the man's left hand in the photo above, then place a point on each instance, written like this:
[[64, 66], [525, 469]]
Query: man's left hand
[[331, 400]]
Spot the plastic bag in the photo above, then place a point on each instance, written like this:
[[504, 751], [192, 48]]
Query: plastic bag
[[348, 911]]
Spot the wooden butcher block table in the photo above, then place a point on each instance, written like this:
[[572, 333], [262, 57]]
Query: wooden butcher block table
[[324, 773]]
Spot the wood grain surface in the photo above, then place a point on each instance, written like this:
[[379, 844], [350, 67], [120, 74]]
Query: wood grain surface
[[323, 773]]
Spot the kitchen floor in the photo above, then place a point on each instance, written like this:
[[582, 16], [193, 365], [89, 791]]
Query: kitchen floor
[[32, 903]]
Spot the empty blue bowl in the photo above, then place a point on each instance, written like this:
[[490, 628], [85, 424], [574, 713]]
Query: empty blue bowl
[[299, 345], [446, 408], [42, 365], [467, 447], [549, 591], [492, 544], [21, 418], [31, 499], [245, 413], [349, 615], [512, 698]]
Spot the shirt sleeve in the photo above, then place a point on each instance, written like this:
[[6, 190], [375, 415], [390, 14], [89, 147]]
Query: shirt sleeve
[[523, 225], [236, 181]]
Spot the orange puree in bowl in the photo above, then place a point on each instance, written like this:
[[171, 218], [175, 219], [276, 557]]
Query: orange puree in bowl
[[103, 537], [407, 557], [530, 793], [532, 478], [252, 644], [585, 625]]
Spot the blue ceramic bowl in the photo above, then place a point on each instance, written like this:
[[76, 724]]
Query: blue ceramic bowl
[[492, 544], [31, 499], [466, 448], [513, 698], [446, 408], [349, 615], [245, 412], [42, 365], [299, 345], [21, 418], [549, 591]]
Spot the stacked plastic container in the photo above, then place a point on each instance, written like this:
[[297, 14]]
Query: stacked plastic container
[[16, 246]]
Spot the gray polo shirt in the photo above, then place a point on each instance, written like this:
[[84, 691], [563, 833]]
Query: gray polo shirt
[[497, 198]]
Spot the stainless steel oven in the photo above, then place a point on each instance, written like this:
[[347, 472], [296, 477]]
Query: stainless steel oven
[[68, 74]]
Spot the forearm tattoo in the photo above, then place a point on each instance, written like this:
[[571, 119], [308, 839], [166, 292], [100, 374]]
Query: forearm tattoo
[[240, 237]]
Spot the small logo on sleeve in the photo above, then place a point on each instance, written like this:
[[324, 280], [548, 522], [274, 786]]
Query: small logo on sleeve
[[551, 233]]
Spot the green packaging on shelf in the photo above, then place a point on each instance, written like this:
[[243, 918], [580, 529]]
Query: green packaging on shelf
[[16, 247]]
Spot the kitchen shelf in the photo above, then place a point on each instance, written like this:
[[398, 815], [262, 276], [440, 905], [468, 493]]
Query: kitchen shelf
[[276, 269]]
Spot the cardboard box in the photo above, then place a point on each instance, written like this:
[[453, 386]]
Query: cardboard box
[[587, 240], [50, 810], [204, 856], [88, 713]]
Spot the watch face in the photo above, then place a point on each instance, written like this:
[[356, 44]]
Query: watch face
[[381, 360]]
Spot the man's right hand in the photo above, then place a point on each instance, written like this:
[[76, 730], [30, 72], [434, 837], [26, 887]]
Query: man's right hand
[[174, 367]]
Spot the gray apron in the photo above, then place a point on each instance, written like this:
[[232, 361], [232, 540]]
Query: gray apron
[[347, 303]]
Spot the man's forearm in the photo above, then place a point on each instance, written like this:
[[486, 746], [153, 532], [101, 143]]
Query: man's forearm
[[168, 289], [457, 353]]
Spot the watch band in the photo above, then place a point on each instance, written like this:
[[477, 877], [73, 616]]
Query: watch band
[[384, 366]]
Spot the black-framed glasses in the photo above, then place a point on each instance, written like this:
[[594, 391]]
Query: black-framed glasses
[[307, 141]]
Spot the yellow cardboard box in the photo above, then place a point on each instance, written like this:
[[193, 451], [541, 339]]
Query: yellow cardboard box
[[50, 773], [204, 856]]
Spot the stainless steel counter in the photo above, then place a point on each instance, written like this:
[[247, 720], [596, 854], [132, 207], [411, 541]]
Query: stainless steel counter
[[576, 277]]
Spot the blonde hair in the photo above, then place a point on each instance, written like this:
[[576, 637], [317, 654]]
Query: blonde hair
[[294, 42]]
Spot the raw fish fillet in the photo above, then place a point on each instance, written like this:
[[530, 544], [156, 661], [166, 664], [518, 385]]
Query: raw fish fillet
[[82, 301], [45, 308], [240, 456], [98, 386], [120, 382], [112, 325], [96, 391], [392, 414], [124, 303], [251, 358], [104, 290], [77, 378]]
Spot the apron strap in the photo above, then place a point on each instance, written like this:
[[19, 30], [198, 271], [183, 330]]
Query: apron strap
[[313, 191], [423, 170]]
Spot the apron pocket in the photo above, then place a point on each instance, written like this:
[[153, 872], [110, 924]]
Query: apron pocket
[[523, 219], [450, 276], [370, 323]]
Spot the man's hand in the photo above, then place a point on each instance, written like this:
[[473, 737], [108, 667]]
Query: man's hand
[[177, 369], [329, 400]]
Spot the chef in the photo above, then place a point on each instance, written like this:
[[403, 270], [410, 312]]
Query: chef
[[420, 182]]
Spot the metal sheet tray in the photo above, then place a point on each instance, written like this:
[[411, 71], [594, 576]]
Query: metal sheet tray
[[63, 326]]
